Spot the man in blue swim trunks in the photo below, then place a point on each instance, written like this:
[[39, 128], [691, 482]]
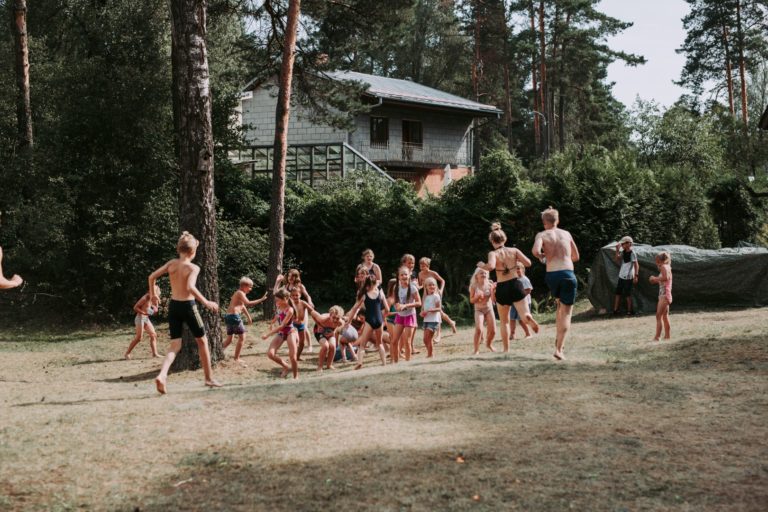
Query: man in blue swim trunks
[[555, 247]]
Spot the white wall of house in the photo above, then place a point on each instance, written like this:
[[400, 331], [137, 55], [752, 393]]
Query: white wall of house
[[258, 111]]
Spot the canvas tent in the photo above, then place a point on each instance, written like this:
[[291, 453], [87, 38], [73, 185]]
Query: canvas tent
[[701, 277]]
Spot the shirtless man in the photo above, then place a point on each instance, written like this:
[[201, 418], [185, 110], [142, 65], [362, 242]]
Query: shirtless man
[[555, 247], [183, 308], [13, 282]]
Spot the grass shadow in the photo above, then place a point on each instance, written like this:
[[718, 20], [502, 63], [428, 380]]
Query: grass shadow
[[150, 375]]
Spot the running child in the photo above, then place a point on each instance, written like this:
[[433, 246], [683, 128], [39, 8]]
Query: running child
[[284, 332], [371, 267], [144, 308], [406, 301], [664, 280], [325, 333], [183, 308], [424, 273], [13, 282], [514, 316], [409, 261], [293, 280], [299, 322], [238, 305], [374, 301], [482, 293], [431, 312]]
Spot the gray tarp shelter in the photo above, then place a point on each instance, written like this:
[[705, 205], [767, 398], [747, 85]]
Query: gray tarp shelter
[[701, 277]]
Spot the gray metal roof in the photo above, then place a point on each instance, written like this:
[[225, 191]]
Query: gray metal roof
[[405, 91]]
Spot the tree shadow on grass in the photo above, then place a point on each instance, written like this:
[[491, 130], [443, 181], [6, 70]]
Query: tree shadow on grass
[[140, 377], [82, 401]]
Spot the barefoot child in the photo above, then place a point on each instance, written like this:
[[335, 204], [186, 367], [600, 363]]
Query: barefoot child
[[409, 261], [374, 301], [664, 280], [284, 332], [514, 316], [13, 282], [183, 308], [348, 335], [424, 273], [302, 311], [482, 295], [144, 309], [238, 305], [325, 334], [406, 301], [431, 312], [293, 280]]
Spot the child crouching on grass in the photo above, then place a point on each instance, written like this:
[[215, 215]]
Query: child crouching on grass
[[145, 308], [430, 312], [284, 332], [527, 288], [183, 308], [325, 333], [238, 305], [664, 280]]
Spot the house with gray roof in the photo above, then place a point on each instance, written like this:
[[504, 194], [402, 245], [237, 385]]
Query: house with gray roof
[[411, 132]]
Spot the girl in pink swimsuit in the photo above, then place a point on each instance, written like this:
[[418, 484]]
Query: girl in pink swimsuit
[[284, 332], [664, 280]]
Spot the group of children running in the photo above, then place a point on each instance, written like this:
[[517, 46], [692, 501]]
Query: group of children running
[[383, 316]]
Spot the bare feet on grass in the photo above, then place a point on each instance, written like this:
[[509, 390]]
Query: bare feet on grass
[[559, 356], [490, 347], [153, 355], [453, 327], [213, 383], [127, 356], [160, 384], [284, 373]]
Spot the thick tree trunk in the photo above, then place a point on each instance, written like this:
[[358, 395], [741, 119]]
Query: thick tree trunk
[[282, 114], [23, 102], [742, 68], [194, 140], [728, 71]]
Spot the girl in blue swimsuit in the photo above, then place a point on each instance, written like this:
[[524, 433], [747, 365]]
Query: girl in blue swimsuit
[[373, 298]]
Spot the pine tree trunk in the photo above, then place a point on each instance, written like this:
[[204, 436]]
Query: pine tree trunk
[[23, 102], [536, 109], [728, 71], [742, 68], [282, 114], [194, 141], [544, 87]]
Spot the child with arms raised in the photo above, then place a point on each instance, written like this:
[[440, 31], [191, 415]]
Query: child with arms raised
[[284, 332], [293, 281], [238, 305], [144, 308], [424, 273], [183, 308], [482, 295]]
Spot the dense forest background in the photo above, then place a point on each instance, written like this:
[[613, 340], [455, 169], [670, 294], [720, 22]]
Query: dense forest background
[[89, 209]]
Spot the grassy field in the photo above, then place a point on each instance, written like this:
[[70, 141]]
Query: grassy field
[[623, 424]]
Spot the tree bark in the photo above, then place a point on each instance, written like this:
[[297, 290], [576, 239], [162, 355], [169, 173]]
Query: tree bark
[[536, 109], [544, 87], [23, 102], [742, 68], [194, 145], [282, 114], [728, 71]]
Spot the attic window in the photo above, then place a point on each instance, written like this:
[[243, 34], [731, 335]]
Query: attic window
[[379, 131]]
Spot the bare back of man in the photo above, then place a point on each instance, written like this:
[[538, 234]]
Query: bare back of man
[[558, 247], [181, 274]]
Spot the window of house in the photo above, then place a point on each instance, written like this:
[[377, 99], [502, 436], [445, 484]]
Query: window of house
[[412, 133], [379, 131]]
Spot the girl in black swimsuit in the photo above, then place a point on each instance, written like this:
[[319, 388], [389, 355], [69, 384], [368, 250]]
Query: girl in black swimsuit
[[375, 302]]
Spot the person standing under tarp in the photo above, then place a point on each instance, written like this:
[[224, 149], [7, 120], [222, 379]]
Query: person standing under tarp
[[628, 273]]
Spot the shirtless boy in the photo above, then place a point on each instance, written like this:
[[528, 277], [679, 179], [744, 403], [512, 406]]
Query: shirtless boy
[[555, 247], [183, 308], [238, 305], [13, 282]]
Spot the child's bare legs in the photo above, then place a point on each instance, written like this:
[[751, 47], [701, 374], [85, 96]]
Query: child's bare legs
[[162, 377], [331, 354], [512, 328], [504, 317], [274, 345], [525, 329], [524, 313], [227, 342], [616, 302], [410, 343], [322, 353], [377, 335], [479, 317], [490, 326], [205, 360], [449, 321], [292, 356], [301, 344], [396, 342], [239, 347], [135, 341], [362, 340], [428, 336], [662, 319]]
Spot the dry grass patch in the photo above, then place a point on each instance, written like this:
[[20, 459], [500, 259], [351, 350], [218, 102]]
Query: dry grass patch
[[623, 424]]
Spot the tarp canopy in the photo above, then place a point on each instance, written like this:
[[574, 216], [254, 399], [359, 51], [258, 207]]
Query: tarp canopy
[[701, 277]]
